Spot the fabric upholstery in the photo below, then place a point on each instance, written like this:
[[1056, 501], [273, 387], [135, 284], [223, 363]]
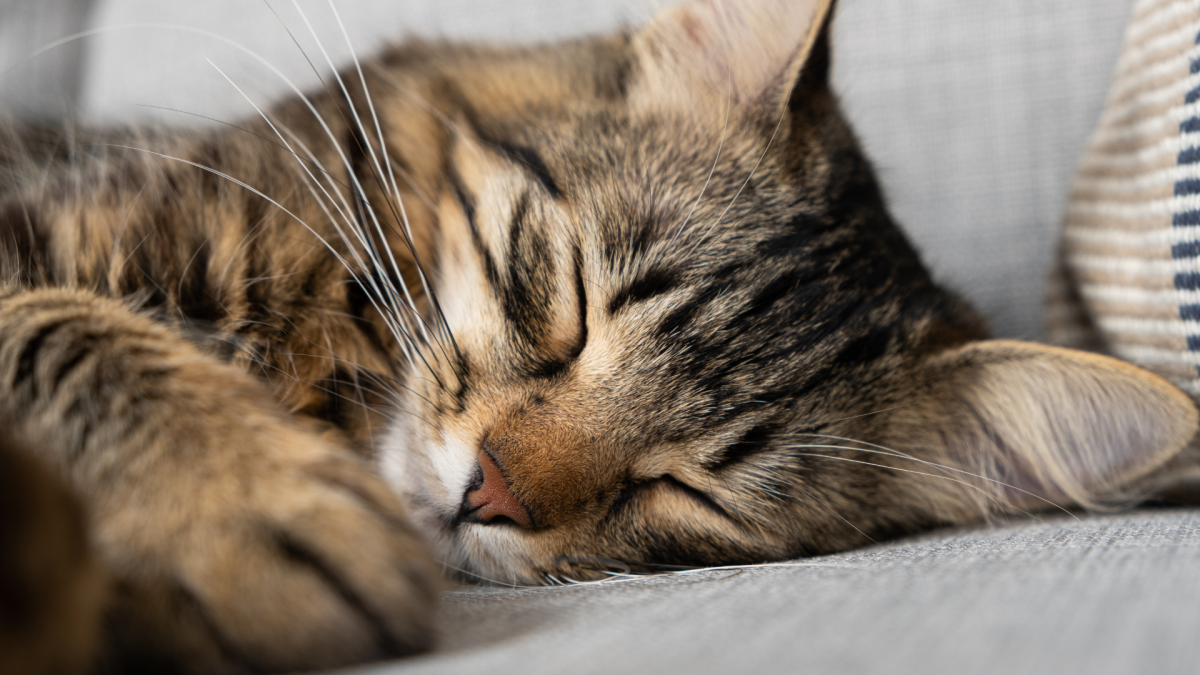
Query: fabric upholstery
[[1130, 240], [1103, 596]]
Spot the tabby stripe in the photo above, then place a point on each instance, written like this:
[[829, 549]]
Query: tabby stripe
[[302, 556], [686, 313], [581, 298], [753, 441], [81, 349], [516, 224], [535, 163], [648, 285], [27, 361], [468, 206]]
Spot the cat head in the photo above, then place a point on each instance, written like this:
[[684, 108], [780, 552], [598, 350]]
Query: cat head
[[672, 323]]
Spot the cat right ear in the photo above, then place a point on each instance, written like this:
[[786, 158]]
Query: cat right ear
[[701, 53], [1042, 424]]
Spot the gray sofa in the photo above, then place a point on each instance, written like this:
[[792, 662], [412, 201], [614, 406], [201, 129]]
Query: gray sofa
[[975, 114]]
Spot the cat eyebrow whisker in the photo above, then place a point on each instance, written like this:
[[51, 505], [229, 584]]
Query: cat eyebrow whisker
[[770, 142], [711, 171], [303, 98]]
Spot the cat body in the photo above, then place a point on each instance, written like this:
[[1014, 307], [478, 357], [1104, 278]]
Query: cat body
[[520, 312]]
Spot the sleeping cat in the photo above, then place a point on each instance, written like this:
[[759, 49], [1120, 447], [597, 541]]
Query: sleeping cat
[[522, 314]]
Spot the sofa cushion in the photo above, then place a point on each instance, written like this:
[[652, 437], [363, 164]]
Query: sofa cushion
[[1097, 595]]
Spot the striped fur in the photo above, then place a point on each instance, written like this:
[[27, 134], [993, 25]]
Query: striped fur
[[640, 291]]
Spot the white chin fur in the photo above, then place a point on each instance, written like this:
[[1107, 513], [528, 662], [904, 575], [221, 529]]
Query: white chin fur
[[431, 475]]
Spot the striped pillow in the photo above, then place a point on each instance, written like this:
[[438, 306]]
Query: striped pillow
[[1130, 279]]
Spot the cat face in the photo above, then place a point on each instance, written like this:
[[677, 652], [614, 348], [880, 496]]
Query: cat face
[[672, 321]]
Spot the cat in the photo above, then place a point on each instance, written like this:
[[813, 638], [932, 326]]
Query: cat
[[518, 313]]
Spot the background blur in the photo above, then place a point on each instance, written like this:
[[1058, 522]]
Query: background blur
[[974, 112]]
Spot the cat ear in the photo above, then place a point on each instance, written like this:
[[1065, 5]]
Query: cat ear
[[1047, 423], [701, 53]]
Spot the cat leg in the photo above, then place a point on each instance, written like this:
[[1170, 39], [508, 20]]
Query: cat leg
[[51, 588], [238, 539]]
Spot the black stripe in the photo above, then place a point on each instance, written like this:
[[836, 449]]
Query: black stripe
[[516, 224], [649, 284], [385, 642], [81, 349], [753, 441], [867, 348], [769, 294], [27, 361], [581, 298], [684, 314], [531, 159], [467, 202], [24, 243]]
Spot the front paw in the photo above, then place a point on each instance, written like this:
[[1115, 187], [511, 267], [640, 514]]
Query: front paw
[[278, 564]]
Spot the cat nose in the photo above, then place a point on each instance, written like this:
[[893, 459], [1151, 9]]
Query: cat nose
[[492, 501]]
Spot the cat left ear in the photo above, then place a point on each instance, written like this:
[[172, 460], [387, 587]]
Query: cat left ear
[[1043, 424], [701, 53]]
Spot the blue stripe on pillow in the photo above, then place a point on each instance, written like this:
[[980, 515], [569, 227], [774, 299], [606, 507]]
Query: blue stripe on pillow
[[1188, 186], [1187, 281], [1187, 249], [1186, 219], [1189, 156]]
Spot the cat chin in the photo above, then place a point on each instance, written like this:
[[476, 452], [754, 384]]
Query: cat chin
[[431, 475]]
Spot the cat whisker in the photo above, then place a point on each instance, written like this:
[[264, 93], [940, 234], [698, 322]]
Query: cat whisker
[[236, 128], [394, 299], [368, 249], [370, 148], [835, 512], [377, 171], [251, 189], [990, 497], [880, 449], [770, 142]]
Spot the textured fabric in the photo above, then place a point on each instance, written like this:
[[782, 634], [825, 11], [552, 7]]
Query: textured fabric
[[1111, 595], [49, 84], [975, 114], [1131, 229]]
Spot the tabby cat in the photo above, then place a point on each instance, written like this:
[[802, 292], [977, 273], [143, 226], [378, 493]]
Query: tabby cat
[[523, 314]]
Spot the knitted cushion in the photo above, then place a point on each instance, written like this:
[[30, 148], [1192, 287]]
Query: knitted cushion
[[1131, 242]]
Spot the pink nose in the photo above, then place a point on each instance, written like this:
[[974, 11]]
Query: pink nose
[[492, 499]]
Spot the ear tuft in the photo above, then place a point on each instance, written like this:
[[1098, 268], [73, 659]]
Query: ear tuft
[[1049, 423], [750, 51]]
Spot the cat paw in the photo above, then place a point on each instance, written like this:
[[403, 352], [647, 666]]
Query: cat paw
[[277, 566]]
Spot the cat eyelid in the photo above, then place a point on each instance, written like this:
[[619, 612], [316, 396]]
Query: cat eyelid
[[668, 481]]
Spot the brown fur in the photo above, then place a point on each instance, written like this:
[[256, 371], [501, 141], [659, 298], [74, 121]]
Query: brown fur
[[652, 279], [51, 587]]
